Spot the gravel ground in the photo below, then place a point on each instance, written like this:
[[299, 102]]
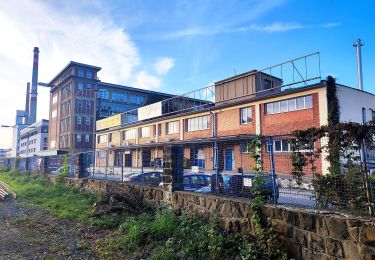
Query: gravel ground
[[31, 233]]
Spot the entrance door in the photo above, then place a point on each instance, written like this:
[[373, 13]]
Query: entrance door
[[146, 158], [128, 159], [229, 159]]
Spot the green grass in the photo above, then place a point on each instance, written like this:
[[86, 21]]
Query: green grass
[[155, 234], [61, 201]]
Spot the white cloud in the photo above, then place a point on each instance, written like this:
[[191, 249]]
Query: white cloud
[[146, 81], [61, 35], [274, 27], [164, 64]]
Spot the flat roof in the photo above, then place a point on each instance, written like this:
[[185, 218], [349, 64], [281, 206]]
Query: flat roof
[[234, 102], [74, 63], [106, 84]]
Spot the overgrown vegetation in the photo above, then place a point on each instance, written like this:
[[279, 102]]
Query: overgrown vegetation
[[347, 185], [61, 201], [150, 233]]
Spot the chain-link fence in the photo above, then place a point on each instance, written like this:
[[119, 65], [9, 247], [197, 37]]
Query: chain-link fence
[[237, 166]]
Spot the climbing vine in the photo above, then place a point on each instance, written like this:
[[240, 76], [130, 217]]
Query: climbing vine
[[263, 228]]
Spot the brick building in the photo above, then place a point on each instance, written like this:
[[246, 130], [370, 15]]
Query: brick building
[[78, 98], [246, 105]]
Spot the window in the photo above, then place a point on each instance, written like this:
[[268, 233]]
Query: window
[[79, 120], [80, 86], [78, 138], [54, 113], [246, 116], [102, 139], [87, 120], [103, 94], [110, 137], [88, 86], [172, 127], [281, 145], [89, 74], [54, 99], [79, 104], [267, 84], [87, 138], [198, 123], [140, 100], [133, 99], [145, 131], [120, 97], [102, 154], [289, 105], [245, 147], [88, 104], [130, 134], [80, 73], [373, 115]]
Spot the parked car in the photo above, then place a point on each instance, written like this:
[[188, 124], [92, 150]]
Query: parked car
[[157, 163], [194, 182], [241, 185], [150, 178]]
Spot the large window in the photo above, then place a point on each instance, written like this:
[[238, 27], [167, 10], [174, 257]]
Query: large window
[[87, 120], [79, 138], [134, 99], [80, 73], [87, 138], [79, 120], [89, 74], [102, 139], [198, 123], [130, 134], [80, 86], [246, 115], [288, 105], [172, 127], [145, 132], [103, 94], [119, 97]]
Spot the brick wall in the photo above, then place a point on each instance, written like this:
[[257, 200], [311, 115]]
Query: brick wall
[[228, 123]]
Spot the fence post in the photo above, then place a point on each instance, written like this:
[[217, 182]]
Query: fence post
[[366, 179], [272, 161], [122, 166], [106, 164], [216, 168]]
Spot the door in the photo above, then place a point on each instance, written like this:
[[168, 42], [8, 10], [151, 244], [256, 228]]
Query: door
[[128, 159], [229, 159]]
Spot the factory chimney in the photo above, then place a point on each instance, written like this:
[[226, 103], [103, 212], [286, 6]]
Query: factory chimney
[[27, 106], [358, 44], [34, 88]]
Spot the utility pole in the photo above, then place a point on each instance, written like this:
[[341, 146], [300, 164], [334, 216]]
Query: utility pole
[[358, 44]]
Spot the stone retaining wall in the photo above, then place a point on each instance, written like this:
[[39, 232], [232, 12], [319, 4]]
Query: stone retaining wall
[[307, 234]]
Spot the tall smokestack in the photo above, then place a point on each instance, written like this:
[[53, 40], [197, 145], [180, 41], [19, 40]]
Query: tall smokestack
[[34, 88], [357, 44], [27, 106]]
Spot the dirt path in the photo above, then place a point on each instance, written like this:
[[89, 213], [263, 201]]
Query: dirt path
[[31, 233]]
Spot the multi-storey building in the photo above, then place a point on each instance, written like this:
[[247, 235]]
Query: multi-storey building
[[34, 138], [78, 98], [245, 106]]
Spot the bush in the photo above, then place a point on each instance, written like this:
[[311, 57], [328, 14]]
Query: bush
[[343, 191]]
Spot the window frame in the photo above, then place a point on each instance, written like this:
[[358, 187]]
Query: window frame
[[249, 115]]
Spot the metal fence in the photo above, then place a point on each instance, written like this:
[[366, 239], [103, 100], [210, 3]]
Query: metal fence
[[227, 167]]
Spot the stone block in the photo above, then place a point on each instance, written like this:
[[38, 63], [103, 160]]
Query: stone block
[[291, 217], [307, 221], [321, 226], [337, 227], [301, 237], [226, 210], [316, 242], [367, 233], [350, 250], [334, 247], [366, 252], [310, 254], [280, 226]]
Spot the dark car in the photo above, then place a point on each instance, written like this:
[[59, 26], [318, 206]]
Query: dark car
[[194, 182], [157, 163], [150, 178], [241, 185]]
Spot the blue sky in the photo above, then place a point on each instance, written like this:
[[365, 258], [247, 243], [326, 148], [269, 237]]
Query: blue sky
[[176, 46]]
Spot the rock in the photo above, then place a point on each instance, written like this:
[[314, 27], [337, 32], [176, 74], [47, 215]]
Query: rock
[[337, 227], [316, 242], [367, 233], [334, 247]]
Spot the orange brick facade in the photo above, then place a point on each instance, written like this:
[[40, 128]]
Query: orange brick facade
[[231, 157]]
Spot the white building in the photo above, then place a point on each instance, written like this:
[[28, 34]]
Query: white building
[[34, 138]]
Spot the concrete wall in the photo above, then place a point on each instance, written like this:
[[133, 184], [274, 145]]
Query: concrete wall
[[306, 234], [351, 103]]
